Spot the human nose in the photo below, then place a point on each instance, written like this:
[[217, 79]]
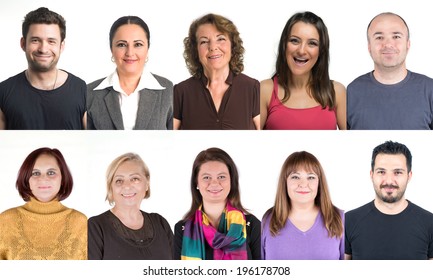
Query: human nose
[[129, 51], [389, 179], [43, 47], [212, 45], [302, 48], [303, 183]]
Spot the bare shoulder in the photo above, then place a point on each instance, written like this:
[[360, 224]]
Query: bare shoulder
[[266, 87], [339, 88]]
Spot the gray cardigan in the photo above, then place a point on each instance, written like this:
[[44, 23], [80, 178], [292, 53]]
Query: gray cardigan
[[155, 108]]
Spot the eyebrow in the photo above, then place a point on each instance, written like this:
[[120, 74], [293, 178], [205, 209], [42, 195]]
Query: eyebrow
[[381, 33], [384, 169]]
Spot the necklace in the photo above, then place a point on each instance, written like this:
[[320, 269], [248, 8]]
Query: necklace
[[55, 80]]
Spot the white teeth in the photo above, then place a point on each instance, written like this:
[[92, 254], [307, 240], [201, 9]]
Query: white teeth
[[128, 195]]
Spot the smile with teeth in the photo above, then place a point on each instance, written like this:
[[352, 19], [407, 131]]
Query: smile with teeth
[[214, 56], [128, 195], [215, 191], [300, 60]]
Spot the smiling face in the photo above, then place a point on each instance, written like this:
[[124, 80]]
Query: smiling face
[[302, 49], [43, 46], [302, 186], [130, 49], [390, 177], [388, 42], [214, 48], [214, 182], [129, 185], [46, 178]]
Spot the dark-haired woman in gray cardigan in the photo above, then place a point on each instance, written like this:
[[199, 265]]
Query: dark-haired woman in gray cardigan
[[131, 97]]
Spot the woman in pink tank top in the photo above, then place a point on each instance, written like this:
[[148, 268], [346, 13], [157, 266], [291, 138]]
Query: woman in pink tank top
[[300, 94]]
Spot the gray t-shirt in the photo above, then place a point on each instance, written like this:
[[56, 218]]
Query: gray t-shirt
[[405, 105]]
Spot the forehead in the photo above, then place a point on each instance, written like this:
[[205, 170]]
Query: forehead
[[306, 30], [130, 30], [387, 23], [129, 166], [45, 159], [207, 29], [213, 167], [44, 30], [390, 161]]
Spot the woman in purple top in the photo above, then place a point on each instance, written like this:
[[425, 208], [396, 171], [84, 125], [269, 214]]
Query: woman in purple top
[[303, 224]]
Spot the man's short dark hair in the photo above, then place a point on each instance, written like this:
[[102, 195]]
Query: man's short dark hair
[[392, 148], [44, 16]]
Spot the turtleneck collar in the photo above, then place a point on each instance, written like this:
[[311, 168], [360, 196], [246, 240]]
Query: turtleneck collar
[[37, 207]]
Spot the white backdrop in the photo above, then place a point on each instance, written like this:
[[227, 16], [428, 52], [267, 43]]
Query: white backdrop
[[345, 156], [259, 155], [87, 52]]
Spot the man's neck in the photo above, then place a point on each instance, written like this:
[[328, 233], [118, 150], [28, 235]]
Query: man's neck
[[391, 208]]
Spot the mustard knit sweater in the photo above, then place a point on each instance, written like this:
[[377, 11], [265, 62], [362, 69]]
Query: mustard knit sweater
[[43, 231]]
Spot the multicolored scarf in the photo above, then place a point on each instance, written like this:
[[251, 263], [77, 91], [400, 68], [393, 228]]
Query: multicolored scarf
[[228, 242]]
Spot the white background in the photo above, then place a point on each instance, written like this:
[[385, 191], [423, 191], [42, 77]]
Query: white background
[[259, 155], [260, 24], [345, 156]]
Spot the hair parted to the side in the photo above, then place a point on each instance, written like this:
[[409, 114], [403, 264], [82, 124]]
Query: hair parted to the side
[[282, 207], [392, 148], [214, 154], [114, 165], [44, 16], [223, 25], [320, 86], [26, 169]]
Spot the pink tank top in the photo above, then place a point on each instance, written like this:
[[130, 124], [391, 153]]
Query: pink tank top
[[282, 117]]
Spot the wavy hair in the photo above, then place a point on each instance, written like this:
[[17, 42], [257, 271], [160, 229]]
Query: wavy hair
[[223, 25]]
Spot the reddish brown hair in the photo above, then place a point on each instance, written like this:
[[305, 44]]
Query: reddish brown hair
[[26, 169]]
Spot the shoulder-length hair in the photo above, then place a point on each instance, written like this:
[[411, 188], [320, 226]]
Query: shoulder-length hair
[[112, 169], [214, 154], [320, 86], [223, 25], [26, 169], [280, 211]]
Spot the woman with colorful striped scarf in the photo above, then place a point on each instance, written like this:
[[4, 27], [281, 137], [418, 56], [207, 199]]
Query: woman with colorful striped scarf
[[217, 227]]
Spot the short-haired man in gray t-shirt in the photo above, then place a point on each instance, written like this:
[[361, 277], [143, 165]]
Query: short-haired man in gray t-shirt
[[389, 97]]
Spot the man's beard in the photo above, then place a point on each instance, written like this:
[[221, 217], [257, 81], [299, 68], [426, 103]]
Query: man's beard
[[389, 198]]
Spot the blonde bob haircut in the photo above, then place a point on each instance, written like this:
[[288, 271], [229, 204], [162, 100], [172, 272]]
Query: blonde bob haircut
[[280, 212], [114, 165]]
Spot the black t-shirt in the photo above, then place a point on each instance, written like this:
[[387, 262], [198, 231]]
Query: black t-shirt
[[26, 107], [109, 239], [253, 239], [372, 235]]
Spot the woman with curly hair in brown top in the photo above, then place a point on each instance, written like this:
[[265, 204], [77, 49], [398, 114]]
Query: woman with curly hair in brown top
[[218, 95]]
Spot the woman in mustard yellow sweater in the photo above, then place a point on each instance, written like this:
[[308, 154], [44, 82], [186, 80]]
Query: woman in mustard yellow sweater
[[43, 228]]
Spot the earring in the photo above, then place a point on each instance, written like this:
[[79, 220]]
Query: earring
[[197, 188], [112, 59]]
